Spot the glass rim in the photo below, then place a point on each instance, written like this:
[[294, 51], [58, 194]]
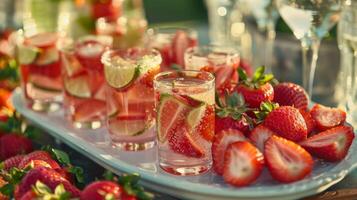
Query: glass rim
[[210, 76], [68, 44], [171, 30], [200, 53], [107, 57]]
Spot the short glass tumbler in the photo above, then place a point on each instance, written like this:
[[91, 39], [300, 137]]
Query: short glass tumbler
[[185, 121], [130, 97]]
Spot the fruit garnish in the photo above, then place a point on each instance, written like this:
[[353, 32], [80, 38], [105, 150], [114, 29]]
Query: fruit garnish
[[170, 111], [180, 43], [84, 111], [201, 120], [260, 135], [326, 117], [310, 122], [78, 86], [27, 55], [243, 163], [45, 83], [220, 142], [256, 89], [331, 145], [287, 162], [42, 40], [121, 77], [11, 162], [130, 125], [204, 96], [99, 190], [290, 94], [71, 65], [47, 56], [287, 122]]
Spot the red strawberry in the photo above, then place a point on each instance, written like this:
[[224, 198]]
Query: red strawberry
[[30, 195], [201, 120], [230, 123], [36, 163], [42, 191], [287, 122], [287, 161], [180, 43], [109, 9], [244, 65], [48, 177], [38, 155], [11, 162], [101, 190], [310, 122], [65, 173], [331, 145], [220, 142], [257, 89], [14, 144], [290, 94], [148, 78], [243, 163], [260, 135], [326, 117]]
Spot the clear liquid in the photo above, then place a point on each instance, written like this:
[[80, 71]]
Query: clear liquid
[[310, 19]]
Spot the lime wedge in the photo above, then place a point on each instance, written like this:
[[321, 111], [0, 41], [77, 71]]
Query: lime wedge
[[78, 86], [121, 77], [27, 55], [195, 116], [130, 125]]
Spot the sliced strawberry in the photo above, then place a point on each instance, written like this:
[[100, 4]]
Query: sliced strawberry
[[243, 163], [201, 120], [287, 161], [220, 142], [260, 135], [290, 94], [184, 142], [223, 123], [224, 75], [310, 122], [38, 155], [326, 117], [43, 40], [331, 145], [189, 101], [90, 109], [181, 42], [148, 77], [166, 55]]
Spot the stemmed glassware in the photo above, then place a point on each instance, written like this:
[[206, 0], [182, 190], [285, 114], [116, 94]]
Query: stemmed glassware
[[310, 20]]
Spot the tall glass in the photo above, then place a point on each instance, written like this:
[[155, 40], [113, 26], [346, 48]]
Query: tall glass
[[84, 83], [347, 35], [310, 21], [130, 97], [172, 44], [185, 121], [222, 61]]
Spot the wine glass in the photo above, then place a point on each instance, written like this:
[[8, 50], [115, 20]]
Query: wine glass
[[310, 21], [266, 16]]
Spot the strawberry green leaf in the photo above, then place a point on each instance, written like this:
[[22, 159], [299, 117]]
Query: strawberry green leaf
[[77, 172], [7, 190], [108, 175], [242, 74], [258, 73]]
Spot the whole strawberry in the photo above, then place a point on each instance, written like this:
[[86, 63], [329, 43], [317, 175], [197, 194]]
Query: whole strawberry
[[290, 94], [42, 191], [102, 190], [231, 114], [14, 144], [11, 162], [48, 177], [287, 122], [38, 155], [257, 89]]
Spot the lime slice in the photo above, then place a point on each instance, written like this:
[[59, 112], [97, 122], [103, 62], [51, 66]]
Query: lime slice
[[48, 56], [78, 86], [27, 55], [130, 125], [71, 65], [206, 96], [195, 116], [121, 77]]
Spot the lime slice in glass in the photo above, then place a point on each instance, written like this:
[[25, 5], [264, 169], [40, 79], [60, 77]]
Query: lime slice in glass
[[123, 76], [27, 55], [78, 86]]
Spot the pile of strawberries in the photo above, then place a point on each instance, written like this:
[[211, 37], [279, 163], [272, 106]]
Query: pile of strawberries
[[48, 173], [262, 124]]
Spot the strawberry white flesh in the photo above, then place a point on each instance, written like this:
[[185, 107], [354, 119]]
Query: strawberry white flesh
[[260, 135], [326, 117], [243, 163], [331, 145], [287, 161]]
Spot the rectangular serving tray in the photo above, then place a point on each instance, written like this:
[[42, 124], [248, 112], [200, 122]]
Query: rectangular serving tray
[[95, 144]]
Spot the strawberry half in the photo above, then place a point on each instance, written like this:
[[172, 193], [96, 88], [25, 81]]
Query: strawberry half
[[260, 135], [38, 155], [290, 94], [220, 142], [310, 122], [287, 122], [243, 163], [326, 117], [331, 145], [287, 161], [256, 89], [101, 190]]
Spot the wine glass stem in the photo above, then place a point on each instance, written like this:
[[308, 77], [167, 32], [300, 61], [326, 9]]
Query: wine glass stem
[[310, 53]]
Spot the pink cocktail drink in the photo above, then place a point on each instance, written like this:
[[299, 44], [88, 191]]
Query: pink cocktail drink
[[185, 121], [40, 67], [222, 61], [130, 97], [172, 44], [84, 83]]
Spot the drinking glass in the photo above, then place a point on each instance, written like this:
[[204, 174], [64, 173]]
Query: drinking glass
[[185, 121], [130, 97], [222, 61], [171, 43], [83, 80], [347, 38], [310, 21]]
